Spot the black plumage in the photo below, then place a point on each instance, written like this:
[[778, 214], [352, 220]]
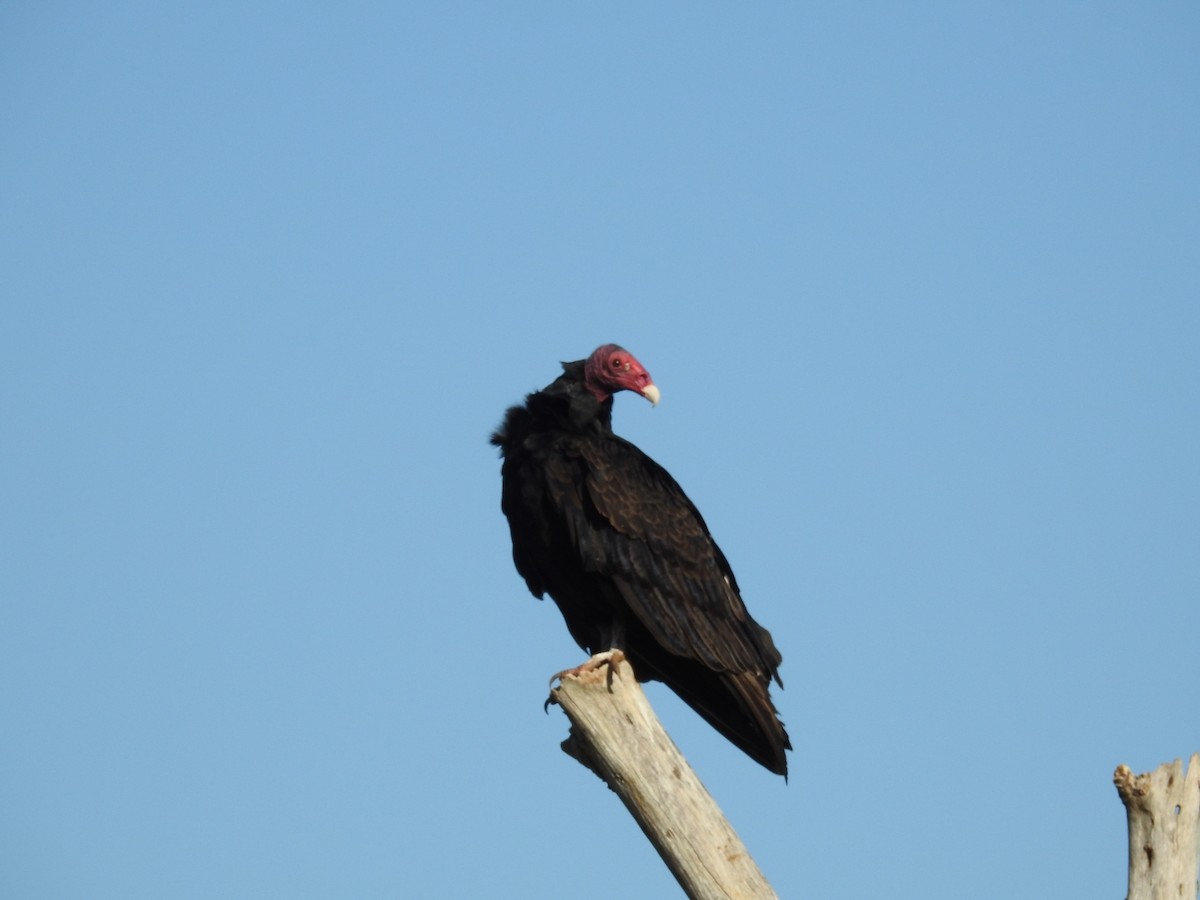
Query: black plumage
[[613, 539]]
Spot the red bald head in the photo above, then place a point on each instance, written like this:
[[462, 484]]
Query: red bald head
[[611, 368]]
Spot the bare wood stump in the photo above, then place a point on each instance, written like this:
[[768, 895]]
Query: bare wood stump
[[615, 733], [1163, 808]]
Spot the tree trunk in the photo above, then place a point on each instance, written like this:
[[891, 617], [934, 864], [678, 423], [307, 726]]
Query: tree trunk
[[1163, 808], [615, 733]]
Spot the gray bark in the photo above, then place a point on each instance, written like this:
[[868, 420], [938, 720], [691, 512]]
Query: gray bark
[[615, 733], [1163, 808]]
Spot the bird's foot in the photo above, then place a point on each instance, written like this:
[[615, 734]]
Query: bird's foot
[[609, 658]]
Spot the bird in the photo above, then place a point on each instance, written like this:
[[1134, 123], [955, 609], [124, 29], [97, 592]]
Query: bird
[[612, 538]]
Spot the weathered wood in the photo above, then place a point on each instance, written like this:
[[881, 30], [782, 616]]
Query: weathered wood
[[1163, 808], [615, 733]]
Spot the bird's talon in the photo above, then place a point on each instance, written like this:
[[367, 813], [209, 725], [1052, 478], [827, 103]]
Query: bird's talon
[[609, 658]]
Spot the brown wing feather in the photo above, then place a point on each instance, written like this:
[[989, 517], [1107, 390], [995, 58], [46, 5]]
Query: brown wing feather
[[656, 546]]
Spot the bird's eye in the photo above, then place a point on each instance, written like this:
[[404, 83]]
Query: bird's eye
[[616, 362]]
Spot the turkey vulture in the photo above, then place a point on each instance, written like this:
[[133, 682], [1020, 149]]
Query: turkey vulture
[[611, 536]]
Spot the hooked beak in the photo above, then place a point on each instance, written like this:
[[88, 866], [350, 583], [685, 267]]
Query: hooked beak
[[651, 393]]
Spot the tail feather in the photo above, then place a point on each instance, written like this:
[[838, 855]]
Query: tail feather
[[737, 704]]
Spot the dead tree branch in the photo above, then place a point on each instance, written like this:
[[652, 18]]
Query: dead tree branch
[[615, 733], [1163, 808]]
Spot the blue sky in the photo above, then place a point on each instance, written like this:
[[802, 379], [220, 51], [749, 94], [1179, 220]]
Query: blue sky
[[920, 286]]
